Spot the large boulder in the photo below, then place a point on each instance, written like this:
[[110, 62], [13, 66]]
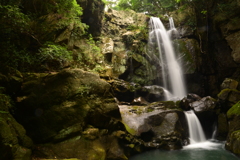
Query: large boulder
[[159, 124], [14, 143]]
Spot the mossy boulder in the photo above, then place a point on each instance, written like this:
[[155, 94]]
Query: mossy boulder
[[234, 110], [233, 143], [228, 97], [64, 103], [14, 143]]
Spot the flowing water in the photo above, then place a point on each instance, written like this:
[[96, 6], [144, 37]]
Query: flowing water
[[196, 133], [160, 42]]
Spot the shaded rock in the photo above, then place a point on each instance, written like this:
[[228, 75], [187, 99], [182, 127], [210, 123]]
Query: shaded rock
[[124, 91], [204, 104], [233, 143], [185, 103], [153, 93], [14, 143], [229, 83], [60, 105], [228, 97], [233, 116], [222, 127], [233, 41], [93, 13]]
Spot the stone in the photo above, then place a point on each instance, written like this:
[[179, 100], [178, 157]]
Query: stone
[[58, 106], [234, 41], [14, 143], [205, 104], [229, 83], [233, 143], [107, 46]]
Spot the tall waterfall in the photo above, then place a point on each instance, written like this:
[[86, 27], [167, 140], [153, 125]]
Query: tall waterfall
[[161, 48], [196, 133]]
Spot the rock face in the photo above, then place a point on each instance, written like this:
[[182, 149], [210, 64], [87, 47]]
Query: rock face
[[93, 12], [15, 144], [71, 109], [233, 116]]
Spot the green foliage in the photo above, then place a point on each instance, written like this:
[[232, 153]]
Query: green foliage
[[155, 7], [27, 25], [54, 52], [90, 57]]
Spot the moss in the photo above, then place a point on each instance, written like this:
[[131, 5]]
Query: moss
[[130, 130], [234, 110]]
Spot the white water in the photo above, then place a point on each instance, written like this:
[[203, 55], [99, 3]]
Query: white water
[[196, 133], [171, 70]]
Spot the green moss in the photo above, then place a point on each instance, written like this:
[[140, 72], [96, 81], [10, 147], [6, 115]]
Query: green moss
[[130, 130], [234, 110]]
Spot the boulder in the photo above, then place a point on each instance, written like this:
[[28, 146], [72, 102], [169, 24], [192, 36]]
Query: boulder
[[229, 83], [205, 104], [228, 97], [153, 93], [233, 41], [14, 143], [233, 143], [57, 106], [165, 128], [233, 116]]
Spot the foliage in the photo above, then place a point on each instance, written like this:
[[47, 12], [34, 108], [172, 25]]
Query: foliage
[[90, 56], [154, 7], [28, 25], [54, 52]]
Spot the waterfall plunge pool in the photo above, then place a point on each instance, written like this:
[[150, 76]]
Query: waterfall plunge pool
[[208, 150]]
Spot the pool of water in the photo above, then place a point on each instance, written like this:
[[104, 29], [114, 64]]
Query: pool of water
[[208, 150]]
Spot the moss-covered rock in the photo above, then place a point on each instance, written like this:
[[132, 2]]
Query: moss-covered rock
[[14, 143], [64, 103], [228, 97], [233, 144], [234, 110]]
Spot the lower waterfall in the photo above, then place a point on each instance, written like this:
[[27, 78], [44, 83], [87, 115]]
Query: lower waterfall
[[196, 133]]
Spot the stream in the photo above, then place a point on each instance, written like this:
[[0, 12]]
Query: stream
[[209, 150]]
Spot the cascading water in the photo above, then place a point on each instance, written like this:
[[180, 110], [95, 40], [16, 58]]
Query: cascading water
[[196, 133], [160, 39]]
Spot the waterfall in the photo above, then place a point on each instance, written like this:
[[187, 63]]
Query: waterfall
[[196, 133], [160, 46]]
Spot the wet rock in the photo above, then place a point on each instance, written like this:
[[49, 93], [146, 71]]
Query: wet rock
[[186, 101], [228, 97], [222, 127], [204, 104]]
